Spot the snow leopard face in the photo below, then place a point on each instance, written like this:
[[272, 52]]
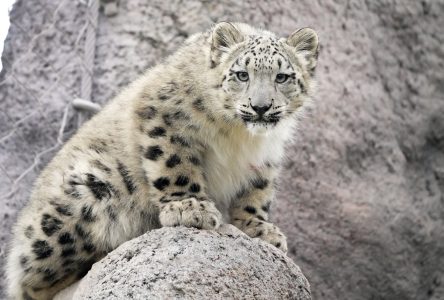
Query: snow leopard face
[[266, 78]]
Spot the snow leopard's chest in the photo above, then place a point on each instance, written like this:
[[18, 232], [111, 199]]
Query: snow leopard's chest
[[229, 164]]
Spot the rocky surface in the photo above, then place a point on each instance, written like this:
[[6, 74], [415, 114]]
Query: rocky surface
[[362, 194], [183, 263]]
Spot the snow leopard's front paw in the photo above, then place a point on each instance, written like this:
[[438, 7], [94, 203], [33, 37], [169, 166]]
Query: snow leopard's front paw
[[266, 231], [191, 213]]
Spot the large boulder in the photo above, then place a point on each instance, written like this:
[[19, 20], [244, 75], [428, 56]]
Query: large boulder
[[184, 263]]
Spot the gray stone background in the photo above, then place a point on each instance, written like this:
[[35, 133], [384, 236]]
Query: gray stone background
[[362, 194]]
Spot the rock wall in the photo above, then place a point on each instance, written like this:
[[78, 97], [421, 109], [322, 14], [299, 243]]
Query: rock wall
[[362, 194]]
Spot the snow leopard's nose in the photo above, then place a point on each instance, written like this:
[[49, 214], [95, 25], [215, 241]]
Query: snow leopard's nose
[[261, 110]]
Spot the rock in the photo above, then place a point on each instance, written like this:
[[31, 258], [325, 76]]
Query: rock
[[172, 263]]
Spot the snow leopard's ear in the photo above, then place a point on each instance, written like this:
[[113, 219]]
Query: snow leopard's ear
[[224, 36], [305, 41]]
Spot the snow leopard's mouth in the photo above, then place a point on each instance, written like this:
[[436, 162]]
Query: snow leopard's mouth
[[270, 119]]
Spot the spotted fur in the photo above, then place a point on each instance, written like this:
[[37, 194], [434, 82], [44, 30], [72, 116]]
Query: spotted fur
[[196, 141]]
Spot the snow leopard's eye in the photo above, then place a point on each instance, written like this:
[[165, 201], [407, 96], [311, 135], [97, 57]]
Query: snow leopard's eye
[[242, 76], [281, 78]]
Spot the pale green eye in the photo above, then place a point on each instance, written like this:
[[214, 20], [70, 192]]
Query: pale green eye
[[242, 76], [281, 78]]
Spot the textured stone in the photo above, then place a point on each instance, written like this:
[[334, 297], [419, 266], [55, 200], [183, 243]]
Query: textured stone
[[183, 263], [362, 195]]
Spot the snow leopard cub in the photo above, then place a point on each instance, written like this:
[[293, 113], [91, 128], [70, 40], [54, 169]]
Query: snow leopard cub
[[196, 141]]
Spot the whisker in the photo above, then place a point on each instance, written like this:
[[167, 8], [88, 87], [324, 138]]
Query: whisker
[[246, 112]]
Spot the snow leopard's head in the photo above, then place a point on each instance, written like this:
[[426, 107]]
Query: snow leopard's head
[[266, 79]]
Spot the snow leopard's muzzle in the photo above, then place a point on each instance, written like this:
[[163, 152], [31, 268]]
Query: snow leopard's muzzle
[[260, 113]]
